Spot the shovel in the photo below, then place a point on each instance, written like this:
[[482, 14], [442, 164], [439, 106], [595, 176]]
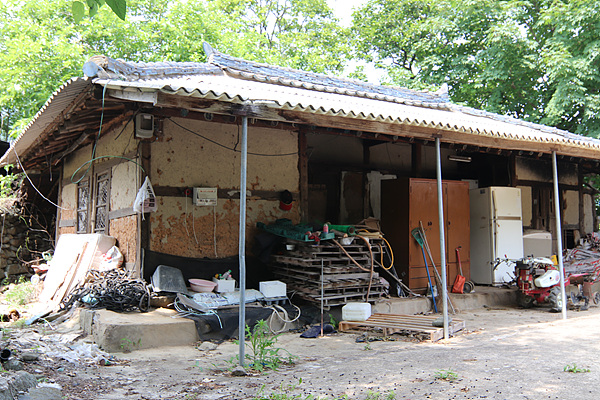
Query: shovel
[[459, 282], [417, 235]]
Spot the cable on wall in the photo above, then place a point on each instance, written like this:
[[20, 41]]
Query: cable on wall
[[230, 148]]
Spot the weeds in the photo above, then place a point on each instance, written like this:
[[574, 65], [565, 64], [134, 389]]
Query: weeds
[[446, 375], [19, 293], [261, 343], [127, 345], [285, 395], [575, 369], [333, 322], [368, 347], [380, 396]]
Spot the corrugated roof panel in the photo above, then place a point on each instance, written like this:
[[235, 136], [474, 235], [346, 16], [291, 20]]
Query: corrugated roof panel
[[58, 105]]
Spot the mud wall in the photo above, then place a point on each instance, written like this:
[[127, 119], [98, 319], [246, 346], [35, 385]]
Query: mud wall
[[182, 159], [116, 152]]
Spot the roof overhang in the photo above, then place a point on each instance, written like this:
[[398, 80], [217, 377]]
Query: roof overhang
[[71, 118]]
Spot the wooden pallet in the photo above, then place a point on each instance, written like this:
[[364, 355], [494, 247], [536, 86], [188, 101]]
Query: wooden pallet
[[306, 276], [397, 323], [341, 299]]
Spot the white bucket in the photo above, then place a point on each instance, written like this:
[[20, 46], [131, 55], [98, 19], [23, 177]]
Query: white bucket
[[356, 312]]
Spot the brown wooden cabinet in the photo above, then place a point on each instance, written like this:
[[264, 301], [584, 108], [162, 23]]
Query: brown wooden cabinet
[[405, 202]]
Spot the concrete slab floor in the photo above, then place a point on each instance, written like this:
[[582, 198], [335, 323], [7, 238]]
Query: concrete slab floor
[[124, 332]]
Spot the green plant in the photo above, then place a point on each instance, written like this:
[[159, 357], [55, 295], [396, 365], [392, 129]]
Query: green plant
[[368, 346], [9, 182], [127, 344], [379, 396], [261, 343], [333, 322], [446, 375], [575, 369], [19, 293]]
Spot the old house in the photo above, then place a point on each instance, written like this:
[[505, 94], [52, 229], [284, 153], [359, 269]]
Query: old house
[[330, 142]]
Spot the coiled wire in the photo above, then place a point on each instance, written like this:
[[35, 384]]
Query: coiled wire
[[112, 290]]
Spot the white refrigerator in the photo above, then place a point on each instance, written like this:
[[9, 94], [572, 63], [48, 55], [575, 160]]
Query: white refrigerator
[[496, 233]]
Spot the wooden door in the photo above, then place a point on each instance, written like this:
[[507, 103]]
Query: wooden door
[[424, 209], [458, 228]]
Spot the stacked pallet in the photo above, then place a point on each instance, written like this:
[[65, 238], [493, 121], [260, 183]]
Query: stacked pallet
[[311, 269]]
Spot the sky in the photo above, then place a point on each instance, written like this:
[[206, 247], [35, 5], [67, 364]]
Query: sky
[[343, 10]]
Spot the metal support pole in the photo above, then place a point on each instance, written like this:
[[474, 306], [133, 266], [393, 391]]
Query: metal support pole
[[559, 250], [242, 240], [438, 154]]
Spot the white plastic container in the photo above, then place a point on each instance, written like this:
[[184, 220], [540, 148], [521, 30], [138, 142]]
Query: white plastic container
[[272, 289], [356, 312], [224, 285]]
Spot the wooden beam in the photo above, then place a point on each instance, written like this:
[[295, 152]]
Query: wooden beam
[[227, 194], [580, 182], [303, 170], [146, 159]]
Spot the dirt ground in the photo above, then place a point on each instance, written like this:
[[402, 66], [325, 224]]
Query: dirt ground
[[505, 353]]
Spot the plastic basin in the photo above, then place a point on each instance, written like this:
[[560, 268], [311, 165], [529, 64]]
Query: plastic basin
[[202, 285]]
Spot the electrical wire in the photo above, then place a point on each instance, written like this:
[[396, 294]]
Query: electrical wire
[[112, 290], [229, 148], [186, 311], [194, 227], [215, 229], [186, 215], [99, 158], [278, 311], [32, 185]]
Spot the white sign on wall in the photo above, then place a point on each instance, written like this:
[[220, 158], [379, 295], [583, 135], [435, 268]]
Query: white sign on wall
[[205, 196]]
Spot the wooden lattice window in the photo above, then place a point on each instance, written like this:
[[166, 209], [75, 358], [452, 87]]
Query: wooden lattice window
[[101, 202], [93, 203], [83, 205]]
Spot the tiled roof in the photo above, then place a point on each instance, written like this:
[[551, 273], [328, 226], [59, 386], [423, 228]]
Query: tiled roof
[[228, 79]]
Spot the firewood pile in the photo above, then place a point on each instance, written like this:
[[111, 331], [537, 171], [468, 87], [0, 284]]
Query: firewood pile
[[585, 258]]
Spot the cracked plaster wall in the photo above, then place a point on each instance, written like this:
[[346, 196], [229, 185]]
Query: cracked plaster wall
[[183, 159]]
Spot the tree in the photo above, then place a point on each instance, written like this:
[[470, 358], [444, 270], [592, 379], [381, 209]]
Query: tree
[[42, 45], [532, 59], [119, 7]]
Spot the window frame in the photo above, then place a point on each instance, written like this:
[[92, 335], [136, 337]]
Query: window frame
[[99, 179]]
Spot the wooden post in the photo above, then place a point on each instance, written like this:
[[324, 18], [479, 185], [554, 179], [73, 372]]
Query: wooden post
[[303, 170]]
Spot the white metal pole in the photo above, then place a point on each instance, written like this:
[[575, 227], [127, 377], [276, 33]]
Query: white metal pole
[[559, 245], [242, 240], [438, 154]]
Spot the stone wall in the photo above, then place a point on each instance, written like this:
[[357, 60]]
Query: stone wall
[[22, 243]]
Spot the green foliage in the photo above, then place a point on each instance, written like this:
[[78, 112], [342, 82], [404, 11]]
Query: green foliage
[[575, 369], [128, 345], [333, 322], [119, 7], [43, 44], [446, 375], [9, 182], [19, 293], [533, 60], [262, 343]]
